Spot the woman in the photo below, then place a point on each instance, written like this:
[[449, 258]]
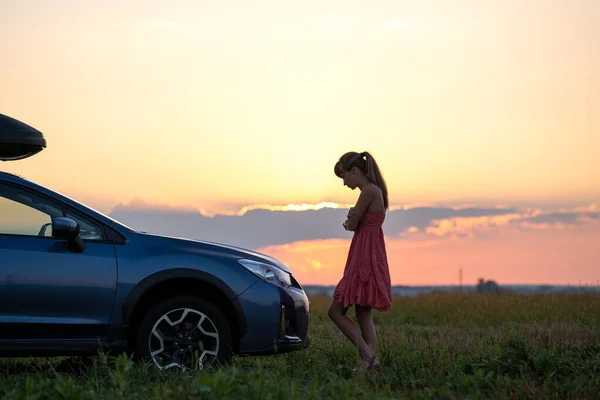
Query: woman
[[366, 281]]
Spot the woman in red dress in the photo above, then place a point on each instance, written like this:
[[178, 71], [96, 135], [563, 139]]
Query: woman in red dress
[[366, 281]]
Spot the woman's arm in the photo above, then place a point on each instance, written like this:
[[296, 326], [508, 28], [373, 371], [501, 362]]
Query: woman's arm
[[364, 200]]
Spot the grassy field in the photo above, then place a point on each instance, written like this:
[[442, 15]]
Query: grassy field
[[439, 346]]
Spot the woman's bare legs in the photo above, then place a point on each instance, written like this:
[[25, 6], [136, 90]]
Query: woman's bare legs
[[337, 313], [369, 335], [367, 327]]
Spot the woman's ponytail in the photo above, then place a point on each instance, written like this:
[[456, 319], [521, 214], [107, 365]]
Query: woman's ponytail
[[369, 168], [374, 175]]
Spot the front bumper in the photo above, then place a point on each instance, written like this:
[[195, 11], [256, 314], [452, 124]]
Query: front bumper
[[277, 319], [294, 320]]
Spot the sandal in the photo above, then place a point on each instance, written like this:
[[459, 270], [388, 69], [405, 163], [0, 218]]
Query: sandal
[[372, 364], [361, 366]]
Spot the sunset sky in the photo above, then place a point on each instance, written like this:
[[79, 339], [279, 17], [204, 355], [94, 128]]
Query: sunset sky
[[157, 111]]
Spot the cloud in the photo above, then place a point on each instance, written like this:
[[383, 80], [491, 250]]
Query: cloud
[[262, 226], [139, 204], [557, 220], [466, 226], [254, 228], [316, 264], [565, 218], [292, 207]]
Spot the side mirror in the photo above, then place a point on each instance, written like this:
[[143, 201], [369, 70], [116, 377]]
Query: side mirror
[[67, 229]]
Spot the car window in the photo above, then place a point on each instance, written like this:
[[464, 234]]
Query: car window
[[18, 219], [87, 229], [24, 213]]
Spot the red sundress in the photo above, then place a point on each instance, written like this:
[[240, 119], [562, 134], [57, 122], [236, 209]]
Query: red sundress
[[366, 279]]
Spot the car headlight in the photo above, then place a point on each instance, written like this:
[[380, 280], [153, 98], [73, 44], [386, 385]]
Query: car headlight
[[268, 272]]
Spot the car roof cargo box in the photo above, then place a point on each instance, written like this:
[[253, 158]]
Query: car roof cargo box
[[18, 140]]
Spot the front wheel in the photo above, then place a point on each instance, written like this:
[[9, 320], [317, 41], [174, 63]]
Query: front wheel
[[184, 332]]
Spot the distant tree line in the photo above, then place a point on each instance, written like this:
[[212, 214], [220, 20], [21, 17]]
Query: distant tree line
[[489, 286]]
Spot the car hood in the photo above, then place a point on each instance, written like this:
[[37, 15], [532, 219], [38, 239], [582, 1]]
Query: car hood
[[234, 250]]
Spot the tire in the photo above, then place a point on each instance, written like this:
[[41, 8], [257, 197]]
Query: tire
[[183, 314]]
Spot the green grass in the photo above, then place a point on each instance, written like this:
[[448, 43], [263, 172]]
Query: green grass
[[439, 346]]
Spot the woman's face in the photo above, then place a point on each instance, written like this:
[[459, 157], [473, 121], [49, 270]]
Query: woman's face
[[350, 178]]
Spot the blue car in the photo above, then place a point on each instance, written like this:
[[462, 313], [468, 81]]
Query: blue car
[[74, 281]]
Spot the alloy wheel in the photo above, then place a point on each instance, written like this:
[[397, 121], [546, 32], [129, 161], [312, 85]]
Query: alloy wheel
[[184, 338]]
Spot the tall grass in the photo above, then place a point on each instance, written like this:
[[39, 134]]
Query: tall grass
[[440, 346]]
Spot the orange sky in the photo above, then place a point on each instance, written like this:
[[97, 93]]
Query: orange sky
[[547, 255], [214, 106]]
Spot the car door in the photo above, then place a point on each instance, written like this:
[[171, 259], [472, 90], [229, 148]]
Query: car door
[[47, 291]]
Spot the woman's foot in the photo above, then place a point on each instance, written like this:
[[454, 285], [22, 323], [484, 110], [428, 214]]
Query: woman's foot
[[371, 364], [361, 366], [374, 364]]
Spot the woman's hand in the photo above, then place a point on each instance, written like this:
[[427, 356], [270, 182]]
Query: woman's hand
[[351, 212], [362, 205]]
